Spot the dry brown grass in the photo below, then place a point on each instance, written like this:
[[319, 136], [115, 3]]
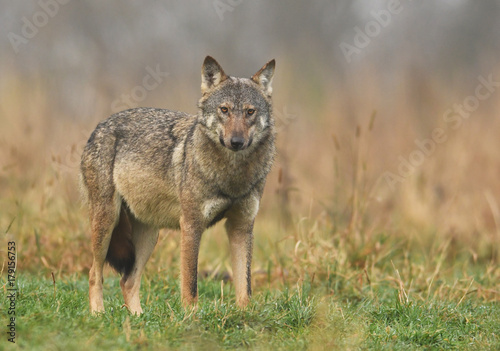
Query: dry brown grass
[[326, 211]]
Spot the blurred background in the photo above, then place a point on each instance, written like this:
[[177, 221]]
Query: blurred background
[[387, 111]]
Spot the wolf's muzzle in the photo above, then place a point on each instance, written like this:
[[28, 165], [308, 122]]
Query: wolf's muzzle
[[237, 143]]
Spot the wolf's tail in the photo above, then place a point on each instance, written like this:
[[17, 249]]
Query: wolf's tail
[[121, 251]]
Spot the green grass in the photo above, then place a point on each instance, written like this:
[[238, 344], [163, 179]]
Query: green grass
[[317, 288], [436, 324], [298, 318]]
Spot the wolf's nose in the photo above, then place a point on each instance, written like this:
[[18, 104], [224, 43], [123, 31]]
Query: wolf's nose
[[237, 142]]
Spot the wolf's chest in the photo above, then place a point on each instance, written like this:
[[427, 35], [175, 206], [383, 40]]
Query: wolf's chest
[[230, 178]]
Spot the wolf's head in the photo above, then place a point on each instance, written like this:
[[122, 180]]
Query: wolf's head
[[236, 112]]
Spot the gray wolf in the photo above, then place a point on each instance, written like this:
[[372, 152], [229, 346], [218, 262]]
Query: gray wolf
[[144, 169]]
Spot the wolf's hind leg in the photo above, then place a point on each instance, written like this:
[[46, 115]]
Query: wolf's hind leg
[[144, 239], [103, 218]]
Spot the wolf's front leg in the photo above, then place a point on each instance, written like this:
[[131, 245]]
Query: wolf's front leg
[[190, 246], [239, 226], [241, 243]]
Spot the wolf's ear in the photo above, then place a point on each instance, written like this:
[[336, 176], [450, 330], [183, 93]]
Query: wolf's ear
[[212, 74], [264, 77]]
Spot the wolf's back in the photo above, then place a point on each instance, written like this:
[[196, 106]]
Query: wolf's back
[[143, 136]]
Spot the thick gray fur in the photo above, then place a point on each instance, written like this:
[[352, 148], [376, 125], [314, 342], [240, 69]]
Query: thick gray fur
[[145, 168]]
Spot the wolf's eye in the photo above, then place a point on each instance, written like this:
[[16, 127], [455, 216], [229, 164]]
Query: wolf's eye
[[224, 109], [250, 111]]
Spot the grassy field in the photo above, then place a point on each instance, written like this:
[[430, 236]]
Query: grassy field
[[299, 317], [342, 260], [317, 288]]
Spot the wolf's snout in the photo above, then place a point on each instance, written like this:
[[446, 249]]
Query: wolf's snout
[[237, 142]]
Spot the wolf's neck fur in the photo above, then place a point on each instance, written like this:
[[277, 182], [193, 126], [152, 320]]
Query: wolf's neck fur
[[238, 171]]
